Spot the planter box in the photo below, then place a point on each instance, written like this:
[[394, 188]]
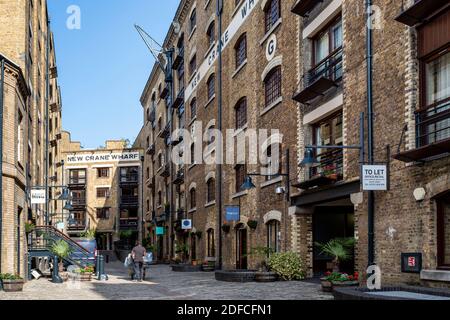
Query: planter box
[[13, 285], [345, 284], [266, 277], [85, 277], [327, 286]]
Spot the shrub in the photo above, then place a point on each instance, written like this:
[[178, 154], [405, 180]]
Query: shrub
[[8, 276], [287, 265]]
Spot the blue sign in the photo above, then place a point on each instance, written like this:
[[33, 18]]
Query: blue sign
[[160, 231], [232, 213]]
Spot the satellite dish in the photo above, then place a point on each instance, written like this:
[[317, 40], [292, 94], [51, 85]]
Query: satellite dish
[[176, 27]]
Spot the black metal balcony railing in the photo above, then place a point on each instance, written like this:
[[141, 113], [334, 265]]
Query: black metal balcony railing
[[151, 116], [131, 178], [164, 131], [77, 181], [303, 7], [331, 165], [151, 149], [179, 179], [128, 223], [433, 124], [325, 75], [76, 224], [165, 172], [179, 99], [79, 202], [178, 58], [128, 201]]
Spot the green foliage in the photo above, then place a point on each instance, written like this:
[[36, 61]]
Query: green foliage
[[253, 224], [262, 253], [182, 248], [29, 227], [127, 234], [287, 265], [340, 248], [61, 249], [9, 276], [89, 235]]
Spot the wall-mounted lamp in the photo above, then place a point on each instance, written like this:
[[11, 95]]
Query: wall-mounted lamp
[[419, 194]]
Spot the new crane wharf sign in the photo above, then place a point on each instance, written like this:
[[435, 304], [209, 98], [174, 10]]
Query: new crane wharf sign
[[241, 16], [104, 157]]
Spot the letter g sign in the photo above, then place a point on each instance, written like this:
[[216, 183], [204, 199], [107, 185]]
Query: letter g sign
[[271, 47]]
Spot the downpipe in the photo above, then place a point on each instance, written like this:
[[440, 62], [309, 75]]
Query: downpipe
[[2, 84]]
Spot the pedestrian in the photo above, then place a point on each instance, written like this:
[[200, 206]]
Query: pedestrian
[[138, 253]]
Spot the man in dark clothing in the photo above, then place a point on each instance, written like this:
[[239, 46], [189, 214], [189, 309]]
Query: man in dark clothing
[[138, 253]]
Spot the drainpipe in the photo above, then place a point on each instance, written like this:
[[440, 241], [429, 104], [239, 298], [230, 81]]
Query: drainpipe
[[170, 77], [47, 91], [2, 81], [219, 125], [371, 199]]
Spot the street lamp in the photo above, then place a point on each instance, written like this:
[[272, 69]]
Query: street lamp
[[309, 160]]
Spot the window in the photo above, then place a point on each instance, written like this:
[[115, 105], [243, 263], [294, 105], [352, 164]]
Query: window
[[193, 197], [240, 172], [193, 21], [180, 72], [211, 190], [159, 198], [103, 172], [273, 228], [211, 87], [211, 34], [326, 133], [272, 85], [241, 50], [443, 231], [327, 41], [103, 213], [211, 246], [241, 113], [102, 193], [272, 14], [193, 108], [20, 138], [193, 65], [435, 125], [193, 153], [77, 176]]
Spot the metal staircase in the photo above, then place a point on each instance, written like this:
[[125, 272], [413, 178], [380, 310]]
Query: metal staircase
[[41, 240]]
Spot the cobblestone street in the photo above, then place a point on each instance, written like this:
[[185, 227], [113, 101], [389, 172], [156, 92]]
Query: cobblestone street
[[164, 284]]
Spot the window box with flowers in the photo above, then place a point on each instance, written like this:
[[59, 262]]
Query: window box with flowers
[[337, 279]]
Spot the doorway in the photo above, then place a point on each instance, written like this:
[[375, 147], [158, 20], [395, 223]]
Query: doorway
[[241, 247]]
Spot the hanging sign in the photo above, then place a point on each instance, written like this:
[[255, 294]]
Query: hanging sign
[[232, 213], [186, 224], [38, 196], [375, 178], [160, 231]]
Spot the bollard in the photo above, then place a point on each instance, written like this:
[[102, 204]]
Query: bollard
[[97, 267], [101, 267], [55, 275]]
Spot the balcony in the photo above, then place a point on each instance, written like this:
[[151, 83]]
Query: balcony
[[329, 171], [151, 183], [76, 225], [164, 133], [178, 59], [131, 178], [77, 182], [79, 202], [176, 141], [54, 107], [164, 92], [151, 150], [53, 72], [432, 133], [165, 172], [179, 99], [129, 201], [179, 178], [321, 78], [128, 223], [151, 116], [303, 7], [420, 11]]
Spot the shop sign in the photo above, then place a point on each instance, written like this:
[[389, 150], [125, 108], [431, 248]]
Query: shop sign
[[411, 262], [186, 224], [38, 196], [375, 177], [232, 213], [160, 231]]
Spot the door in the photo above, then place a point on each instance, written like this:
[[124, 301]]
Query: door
[[241, 248]]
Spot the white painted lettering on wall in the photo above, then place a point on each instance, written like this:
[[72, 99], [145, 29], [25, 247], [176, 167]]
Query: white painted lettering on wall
[[244, 12], [105, 157]]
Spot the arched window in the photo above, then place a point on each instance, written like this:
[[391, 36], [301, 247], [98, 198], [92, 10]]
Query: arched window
[[241, 113], [211, 86], [193, 196], [211, 246], [211, 190], [211, 33], [240, 172], [272, 85], [272, 13], [273, 228], [193, 108], [240, 50]]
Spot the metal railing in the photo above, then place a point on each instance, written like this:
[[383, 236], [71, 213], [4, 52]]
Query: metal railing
[[433, 123], [331, 165], [77, 181], [330, 68], [129, 178], [129, 200]]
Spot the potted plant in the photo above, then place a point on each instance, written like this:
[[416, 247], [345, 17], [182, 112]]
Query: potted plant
[[226, 228], [29, 227], [337, 279], [86, 273], [183, 250], [62, 250], [11, 283], [330, 172], [253, 224], [264, 273], [89, 235], [340, 249]]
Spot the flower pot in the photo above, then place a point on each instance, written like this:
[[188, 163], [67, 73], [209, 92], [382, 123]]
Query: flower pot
[[343, 284], [266, 276], [194, 263], [13, 285], [327, 286], [85, 277]]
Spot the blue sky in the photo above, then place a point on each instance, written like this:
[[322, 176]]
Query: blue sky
[[103, 67]]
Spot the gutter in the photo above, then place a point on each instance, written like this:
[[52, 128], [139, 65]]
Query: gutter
[[2, 80]]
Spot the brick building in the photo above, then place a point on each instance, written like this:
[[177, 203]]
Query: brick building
[[411, 133], [256, 94], [26, 47], [105, 185]]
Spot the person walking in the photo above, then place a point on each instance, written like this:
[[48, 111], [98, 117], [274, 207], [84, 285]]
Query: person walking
[[138, 253]]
